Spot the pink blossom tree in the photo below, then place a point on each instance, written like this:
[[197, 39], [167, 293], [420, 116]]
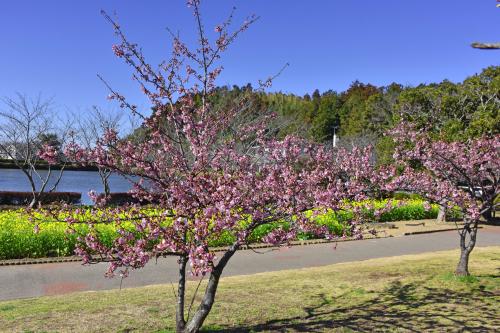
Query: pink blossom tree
[[211, 171], [463, 175]]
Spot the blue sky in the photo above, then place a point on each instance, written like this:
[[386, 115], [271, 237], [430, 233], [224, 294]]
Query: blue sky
[[58, 47]]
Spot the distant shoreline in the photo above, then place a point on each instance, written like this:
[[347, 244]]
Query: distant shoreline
[[9, 164]]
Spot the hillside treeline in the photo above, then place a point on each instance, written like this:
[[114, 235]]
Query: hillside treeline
[[364, 112]]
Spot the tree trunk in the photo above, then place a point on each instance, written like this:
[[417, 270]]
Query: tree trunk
[[107, 190], [488, 215], [207, 302], [467, 242], [180, 321], [33, 202], [194, 325], [104, 174], [441, 218], [463, 263], [36, 198]]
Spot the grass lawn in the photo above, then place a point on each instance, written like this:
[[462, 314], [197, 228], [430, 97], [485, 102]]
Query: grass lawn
[[408, 293]]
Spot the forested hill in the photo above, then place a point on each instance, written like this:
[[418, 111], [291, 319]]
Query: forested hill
[[363, 112]]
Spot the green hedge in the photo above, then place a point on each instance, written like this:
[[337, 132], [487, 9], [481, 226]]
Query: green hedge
[[17, 239], [412, 210]]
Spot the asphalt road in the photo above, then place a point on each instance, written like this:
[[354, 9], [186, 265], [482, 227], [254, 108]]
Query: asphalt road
[[58, 278]]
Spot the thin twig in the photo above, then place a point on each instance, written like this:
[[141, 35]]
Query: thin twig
[[194, 296]]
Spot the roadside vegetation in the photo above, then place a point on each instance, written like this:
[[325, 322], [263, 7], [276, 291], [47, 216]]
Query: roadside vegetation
[[18, 239]]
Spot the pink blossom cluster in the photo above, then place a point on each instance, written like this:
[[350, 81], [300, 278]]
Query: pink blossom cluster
[[49, 153]]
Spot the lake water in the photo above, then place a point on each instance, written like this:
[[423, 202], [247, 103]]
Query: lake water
[[71, 181]]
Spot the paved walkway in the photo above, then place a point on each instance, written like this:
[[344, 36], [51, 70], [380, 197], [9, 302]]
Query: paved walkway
[[59, 278]]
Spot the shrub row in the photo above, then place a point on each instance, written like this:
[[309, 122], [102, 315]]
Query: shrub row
[[17, 239], [24, 198]]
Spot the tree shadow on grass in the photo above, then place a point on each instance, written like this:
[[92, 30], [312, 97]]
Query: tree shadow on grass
[[401, 307]]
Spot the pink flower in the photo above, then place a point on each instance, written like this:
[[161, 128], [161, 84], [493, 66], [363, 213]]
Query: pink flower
[[49, 153], [118, 51]]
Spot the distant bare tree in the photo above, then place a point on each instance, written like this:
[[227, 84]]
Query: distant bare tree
[[26, 126], [90, 128]]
